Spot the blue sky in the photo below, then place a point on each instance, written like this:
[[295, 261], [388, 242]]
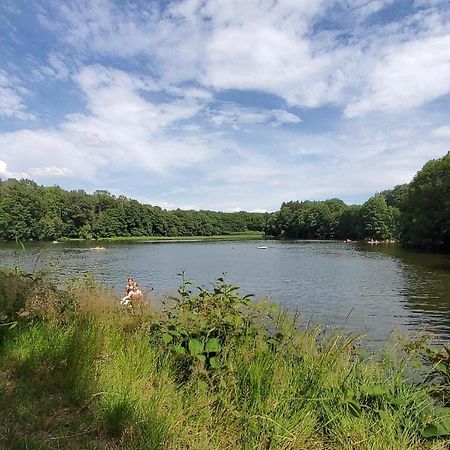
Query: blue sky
[[224, 104]]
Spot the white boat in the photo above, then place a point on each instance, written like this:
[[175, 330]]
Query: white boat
[[262, 246]]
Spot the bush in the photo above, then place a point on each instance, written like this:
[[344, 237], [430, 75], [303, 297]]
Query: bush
[[202, 328]]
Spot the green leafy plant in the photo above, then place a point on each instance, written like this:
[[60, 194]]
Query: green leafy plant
[[439, 360], [199, 326], [440, 426]]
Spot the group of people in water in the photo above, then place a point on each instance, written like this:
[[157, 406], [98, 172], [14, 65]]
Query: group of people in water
[[132, 292]]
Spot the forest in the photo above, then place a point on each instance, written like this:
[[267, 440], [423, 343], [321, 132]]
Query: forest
[[416, 214], [29, 211]]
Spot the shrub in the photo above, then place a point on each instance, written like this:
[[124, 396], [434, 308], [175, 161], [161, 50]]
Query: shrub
[[202, 328]]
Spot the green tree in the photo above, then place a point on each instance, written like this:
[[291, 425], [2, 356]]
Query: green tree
[[78, 213], [397, 196], [348, 226], [21, 209], [378, 220], [426, 210]]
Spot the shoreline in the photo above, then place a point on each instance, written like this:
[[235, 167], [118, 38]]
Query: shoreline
[[204, 370], [218, 237]]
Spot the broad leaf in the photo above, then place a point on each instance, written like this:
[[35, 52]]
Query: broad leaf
[[440, 427], [196, 347], [179, 349], [202, 358], [215, 362], [213, 345]]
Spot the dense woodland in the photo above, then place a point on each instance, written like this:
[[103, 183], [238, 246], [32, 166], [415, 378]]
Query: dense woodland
[[417, 214], [30, 211]]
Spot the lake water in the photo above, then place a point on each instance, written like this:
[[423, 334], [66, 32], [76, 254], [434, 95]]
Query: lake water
[[371, 290]]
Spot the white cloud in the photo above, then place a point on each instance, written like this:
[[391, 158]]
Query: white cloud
[[352, 162], [11, 98], [5, 173], [56, 67], [185, 56], [282, 116], [270, 60], [364, 8], [44, 172], [120, 129], [236, 116], [273, 47], [441, 132], [406, 76]]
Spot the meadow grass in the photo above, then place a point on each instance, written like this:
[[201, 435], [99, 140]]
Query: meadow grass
[[90, 374], [248, 235]]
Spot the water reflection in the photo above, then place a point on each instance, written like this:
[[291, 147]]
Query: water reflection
[[427, 287]]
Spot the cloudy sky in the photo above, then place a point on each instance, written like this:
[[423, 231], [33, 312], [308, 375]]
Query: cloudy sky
[[224, 104]]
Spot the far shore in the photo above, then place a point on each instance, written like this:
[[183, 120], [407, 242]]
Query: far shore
[[219, 237]]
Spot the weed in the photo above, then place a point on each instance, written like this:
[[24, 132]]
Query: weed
[[87, 374]]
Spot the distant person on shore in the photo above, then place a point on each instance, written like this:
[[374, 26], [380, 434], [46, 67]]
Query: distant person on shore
[[136, 293], [130, 283], [133, 292], [128, 292]]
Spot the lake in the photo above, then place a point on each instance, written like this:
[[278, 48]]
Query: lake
[[372, 290]]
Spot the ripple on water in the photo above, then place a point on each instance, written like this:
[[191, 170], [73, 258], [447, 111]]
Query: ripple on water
[[358, 288]]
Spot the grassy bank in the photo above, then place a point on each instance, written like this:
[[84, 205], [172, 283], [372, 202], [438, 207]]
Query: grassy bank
[[213, 371], [220, 237]]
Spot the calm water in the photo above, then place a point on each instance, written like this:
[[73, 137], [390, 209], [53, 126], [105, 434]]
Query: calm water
[[369, 290]]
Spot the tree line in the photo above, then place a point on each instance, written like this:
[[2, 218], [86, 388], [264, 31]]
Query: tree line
[[29, 211], [417, 214]]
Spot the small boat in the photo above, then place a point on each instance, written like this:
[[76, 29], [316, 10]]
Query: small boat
[[98, 248], [262, 247], [55, 242]]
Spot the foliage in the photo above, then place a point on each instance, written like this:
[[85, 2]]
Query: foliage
[[307, 220], [426, 210], [332, 219], [378, 220], [439, 359], [199, 327], [18, 288], [440, 387], [96, 380], [29, 211], [418, 213], [396, 197]]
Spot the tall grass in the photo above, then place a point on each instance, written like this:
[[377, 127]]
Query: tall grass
[[94, 375]]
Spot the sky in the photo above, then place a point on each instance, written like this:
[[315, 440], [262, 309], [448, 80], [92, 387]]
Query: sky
[[224, 104]]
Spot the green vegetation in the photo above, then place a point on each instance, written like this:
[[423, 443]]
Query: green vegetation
[[29, 211], [214, 371], [333, 219], [222, 237], [426, 207], [417, 214]]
